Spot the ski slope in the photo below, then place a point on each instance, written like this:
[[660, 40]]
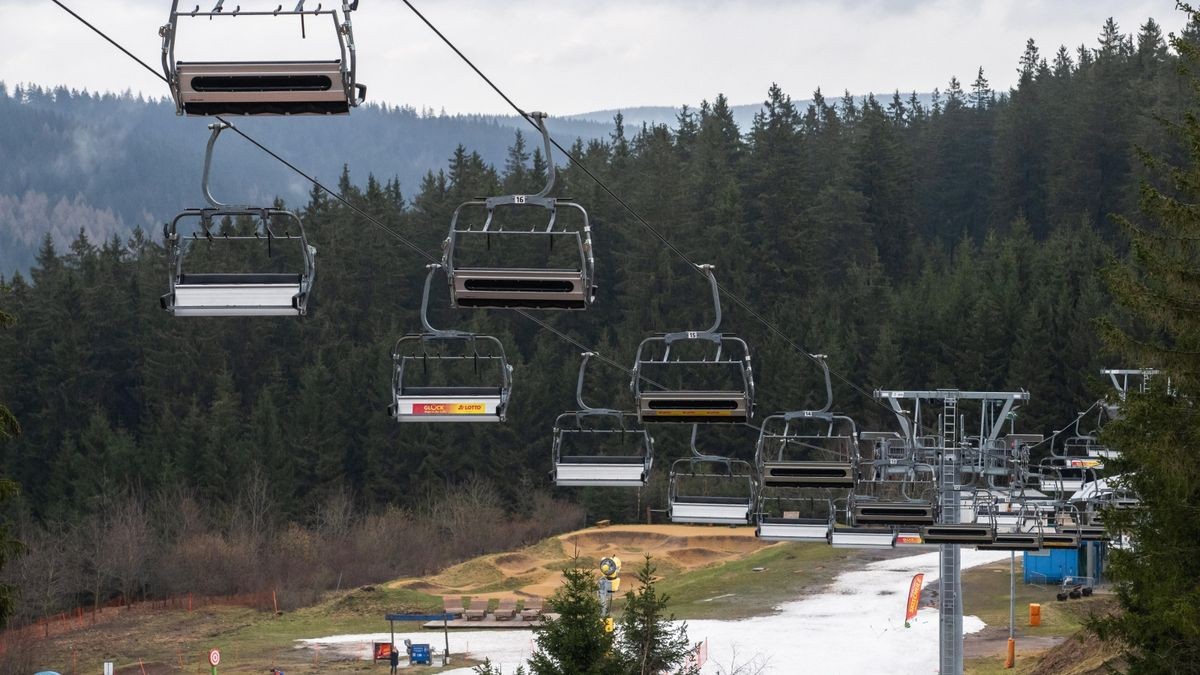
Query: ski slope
[[855, 626]]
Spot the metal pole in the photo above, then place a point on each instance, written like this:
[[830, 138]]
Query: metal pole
[[950, 580], [446, 634], [1012, 594]]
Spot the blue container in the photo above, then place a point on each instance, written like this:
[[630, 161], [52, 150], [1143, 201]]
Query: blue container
[[421, 655], [1053, 565]]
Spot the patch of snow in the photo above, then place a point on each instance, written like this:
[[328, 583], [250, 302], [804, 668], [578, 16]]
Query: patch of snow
[[849, 628]]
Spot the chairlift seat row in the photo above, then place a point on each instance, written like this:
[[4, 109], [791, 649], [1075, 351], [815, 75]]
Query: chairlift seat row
[[732, 407], [808, 474], [793, 529], [264, 87], [862, 537], [711, 510], [966, 533], [521, 288], [897, 513], [602, 471], [1013, 541], [1060, 539]]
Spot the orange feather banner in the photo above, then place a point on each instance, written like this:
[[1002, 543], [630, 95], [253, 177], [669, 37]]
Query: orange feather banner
[[914, 598]]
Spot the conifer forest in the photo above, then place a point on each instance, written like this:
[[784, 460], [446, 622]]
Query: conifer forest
[[964, 238]]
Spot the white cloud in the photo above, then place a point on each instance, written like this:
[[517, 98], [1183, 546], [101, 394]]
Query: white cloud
[[574, 56]]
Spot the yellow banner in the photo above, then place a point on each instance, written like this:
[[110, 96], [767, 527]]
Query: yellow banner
[[449, 408]]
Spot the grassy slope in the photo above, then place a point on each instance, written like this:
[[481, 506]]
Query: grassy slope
[[733, 590], [253, 641], [986, 595]]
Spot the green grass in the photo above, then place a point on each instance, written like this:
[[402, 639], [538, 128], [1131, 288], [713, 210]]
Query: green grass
[[986, 591], [732, 590]]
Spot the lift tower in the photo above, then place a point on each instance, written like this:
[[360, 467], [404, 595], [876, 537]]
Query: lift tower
[[995, 407]]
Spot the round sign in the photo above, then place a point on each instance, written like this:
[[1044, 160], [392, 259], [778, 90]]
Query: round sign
[[214, 657]]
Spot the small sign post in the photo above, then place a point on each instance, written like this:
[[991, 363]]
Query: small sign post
[[214, 659], [108, 668]]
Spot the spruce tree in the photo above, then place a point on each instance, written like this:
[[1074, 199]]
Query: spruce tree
[[9, 546], [1157, 432], [575, 642], [647, 643]]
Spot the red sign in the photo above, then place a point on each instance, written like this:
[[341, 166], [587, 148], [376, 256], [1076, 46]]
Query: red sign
[[383, 651], [214, 657], [914, 598]]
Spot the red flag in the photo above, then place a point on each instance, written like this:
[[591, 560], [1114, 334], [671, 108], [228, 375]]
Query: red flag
[[914, 598]]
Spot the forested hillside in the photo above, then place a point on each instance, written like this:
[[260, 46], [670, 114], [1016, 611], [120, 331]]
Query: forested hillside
[[955, 244], [108, 163]]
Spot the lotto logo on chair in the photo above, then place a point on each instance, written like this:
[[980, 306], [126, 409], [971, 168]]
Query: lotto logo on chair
[[449, 409]]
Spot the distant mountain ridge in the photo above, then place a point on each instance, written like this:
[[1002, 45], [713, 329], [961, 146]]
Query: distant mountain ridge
[[742, 114]]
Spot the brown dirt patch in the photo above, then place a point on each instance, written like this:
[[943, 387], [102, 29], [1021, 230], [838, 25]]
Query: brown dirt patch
[[1082, 654], [696, 557], [517, 563], [147, 668]]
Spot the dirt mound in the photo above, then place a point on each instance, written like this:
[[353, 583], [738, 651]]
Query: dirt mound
[[1083, 654], [422, 586], [623, 540], [696, 557], [517, 563]]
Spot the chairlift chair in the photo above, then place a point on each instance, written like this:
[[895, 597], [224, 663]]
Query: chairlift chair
[[415, 352], [1010, 536], [594, 429], [689, 505], [490, 286], [786, 515], [809, 448], [889, 497], [235, 293], [264, 87], [972, 532], [844, 536], [675, 400]]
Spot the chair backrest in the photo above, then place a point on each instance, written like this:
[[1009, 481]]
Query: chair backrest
[[452, 603], [507, 604]]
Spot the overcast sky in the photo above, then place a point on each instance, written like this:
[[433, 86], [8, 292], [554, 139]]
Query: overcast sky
[[572, 56]]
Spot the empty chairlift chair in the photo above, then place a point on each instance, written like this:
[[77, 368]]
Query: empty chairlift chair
[[968, 533], [694, 376], [808, 449], [473, 381], [710, 489], [784, 515], [264, 87], [894, 486], [1012, 534], [267, 292], [536, 286], [596, 447]]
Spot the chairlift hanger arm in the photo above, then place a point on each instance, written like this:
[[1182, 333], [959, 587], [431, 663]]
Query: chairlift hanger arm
[[584, 407], [429, 329]]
